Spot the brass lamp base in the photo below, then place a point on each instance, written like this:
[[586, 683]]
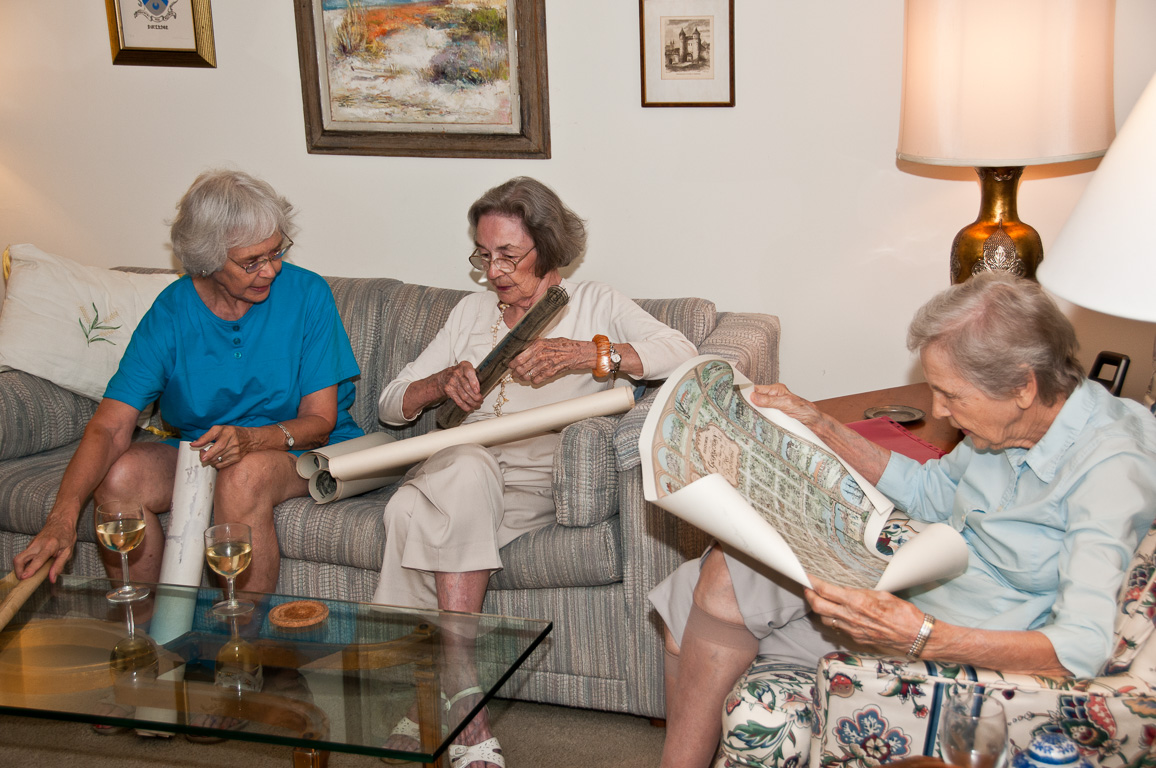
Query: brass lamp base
[[997, 241]]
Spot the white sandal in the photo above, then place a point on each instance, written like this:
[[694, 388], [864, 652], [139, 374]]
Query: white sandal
[[488, 751], [408, 729]]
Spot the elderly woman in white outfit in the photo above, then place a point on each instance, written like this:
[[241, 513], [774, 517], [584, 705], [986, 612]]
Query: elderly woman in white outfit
[[455, 511]]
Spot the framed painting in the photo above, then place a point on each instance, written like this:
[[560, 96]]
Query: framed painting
[[688, 52], [161, 33], [424, 78]]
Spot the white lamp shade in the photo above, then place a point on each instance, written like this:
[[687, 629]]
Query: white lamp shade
[[1105, 256], [991, 83]]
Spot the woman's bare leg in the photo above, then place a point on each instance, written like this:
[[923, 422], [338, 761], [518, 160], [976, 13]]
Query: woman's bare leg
[[716, 649], [464, 592], [246, 492], [145, 472]]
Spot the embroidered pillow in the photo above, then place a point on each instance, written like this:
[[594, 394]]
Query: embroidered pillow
[[69, 323]]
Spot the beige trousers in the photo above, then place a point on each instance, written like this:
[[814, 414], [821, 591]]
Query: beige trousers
[[456, 509]]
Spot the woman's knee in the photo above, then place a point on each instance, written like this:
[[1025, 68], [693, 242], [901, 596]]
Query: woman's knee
[[715, 592], [255, 484], [145, 471]]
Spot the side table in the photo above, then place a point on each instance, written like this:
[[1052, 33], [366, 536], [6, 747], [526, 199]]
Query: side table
[[938, 432]]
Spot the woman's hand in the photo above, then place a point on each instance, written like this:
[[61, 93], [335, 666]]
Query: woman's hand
[[869, 617], [225, 445], [54, 542], [544, 359], [862, 454], [460, 384], [780, 398]]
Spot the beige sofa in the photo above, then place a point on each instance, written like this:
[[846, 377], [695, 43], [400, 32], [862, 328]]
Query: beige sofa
[[588, 573]]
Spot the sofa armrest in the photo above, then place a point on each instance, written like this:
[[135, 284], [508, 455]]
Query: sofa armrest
[[36, 415], [585, 474], [749, 341]]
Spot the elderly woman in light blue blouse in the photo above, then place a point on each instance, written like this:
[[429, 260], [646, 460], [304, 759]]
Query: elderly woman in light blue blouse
[[248, 358], [1052, 488]]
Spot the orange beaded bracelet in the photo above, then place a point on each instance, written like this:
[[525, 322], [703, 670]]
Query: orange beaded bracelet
[[602, 367]]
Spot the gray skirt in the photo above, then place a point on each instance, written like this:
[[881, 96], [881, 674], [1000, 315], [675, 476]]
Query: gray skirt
[[772, 606]]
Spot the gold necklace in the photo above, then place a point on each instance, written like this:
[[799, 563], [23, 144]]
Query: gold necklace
[[502, 399]]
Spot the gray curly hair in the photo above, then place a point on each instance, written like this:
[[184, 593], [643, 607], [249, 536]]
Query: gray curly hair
[[225, 209], [996, 328]]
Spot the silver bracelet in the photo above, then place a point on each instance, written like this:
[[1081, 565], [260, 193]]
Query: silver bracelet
[[921, 639], [289, 441]]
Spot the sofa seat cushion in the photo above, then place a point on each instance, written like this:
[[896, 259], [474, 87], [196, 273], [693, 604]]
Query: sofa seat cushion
[[585, 478], [349, 532], [558, 556], [28, 489]]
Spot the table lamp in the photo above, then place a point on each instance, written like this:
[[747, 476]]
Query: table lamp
[[999, 85], [1105, 255]]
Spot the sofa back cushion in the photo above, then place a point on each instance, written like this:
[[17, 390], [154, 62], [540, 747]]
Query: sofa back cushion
[[695, 318]]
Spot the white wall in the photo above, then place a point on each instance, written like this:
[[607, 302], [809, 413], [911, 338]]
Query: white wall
[[790, 203]]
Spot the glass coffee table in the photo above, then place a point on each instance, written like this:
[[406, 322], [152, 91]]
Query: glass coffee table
[[340, 680]]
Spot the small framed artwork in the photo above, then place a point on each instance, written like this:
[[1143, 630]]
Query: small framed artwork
[[422, 78], [161, 33], [688, 52]]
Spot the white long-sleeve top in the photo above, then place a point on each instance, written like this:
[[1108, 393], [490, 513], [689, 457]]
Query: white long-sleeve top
[[594, 308]]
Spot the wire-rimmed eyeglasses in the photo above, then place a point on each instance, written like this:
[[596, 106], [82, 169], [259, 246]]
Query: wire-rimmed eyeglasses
[[481, 261], [274, 256]]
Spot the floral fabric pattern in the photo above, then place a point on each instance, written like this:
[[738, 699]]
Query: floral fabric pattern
[[865, 711]]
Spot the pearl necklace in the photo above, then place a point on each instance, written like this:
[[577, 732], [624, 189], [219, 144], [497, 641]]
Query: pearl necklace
[[502, 399]]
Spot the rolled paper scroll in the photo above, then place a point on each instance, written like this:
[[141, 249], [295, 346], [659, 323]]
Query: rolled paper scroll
[[494, 367], [382, 459], [14, 592], [184, 558], [324, 487]]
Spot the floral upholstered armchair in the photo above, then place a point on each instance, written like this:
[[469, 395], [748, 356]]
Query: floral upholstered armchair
[[859, 711]]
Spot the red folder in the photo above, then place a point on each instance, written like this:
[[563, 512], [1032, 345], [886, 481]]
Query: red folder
[[895, 437]]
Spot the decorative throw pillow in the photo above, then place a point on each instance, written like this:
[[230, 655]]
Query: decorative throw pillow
[[69, 323]]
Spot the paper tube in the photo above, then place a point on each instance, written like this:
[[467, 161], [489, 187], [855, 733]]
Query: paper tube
[[184, 557], [16, 592], [536, 421], [323, 487]]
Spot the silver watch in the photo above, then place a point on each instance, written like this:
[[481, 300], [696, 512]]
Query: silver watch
[[615, 359], [288, 437]]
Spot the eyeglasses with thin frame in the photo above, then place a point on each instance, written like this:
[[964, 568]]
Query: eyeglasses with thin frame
[[274, 256], [481, 261]]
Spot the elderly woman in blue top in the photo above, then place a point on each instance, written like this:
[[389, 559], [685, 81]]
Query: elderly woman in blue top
[[248, 358], [1052, 488]]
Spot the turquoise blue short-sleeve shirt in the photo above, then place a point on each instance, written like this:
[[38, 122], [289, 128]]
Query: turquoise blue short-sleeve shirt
[[1050, 529], [250, 372]]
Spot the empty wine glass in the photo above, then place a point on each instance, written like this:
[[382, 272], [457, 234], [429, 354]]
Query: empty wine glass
[[974, 730], [229, 550], [120, 526]]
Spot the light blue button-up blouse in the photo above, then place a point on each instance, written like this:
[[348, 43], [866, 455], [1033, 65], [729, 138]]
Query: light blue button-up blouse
[[1051, 529]]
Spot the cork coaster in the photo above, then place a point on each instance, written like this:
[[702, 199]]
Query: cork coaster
[[299, 613]]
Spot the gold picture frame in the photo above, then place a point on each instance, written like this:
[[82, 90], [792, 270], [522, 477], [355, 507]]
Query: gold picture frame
[[161, 33], [332, 126], [687, 52]]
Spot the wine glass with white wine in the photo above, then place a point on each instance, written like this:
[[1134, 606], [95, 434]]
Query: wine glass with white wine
[[120, 526], [229, 550], [974, 730]]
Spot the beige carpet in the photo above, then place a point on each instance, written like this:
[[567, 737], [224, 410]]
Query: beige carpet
[[532, 735]]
